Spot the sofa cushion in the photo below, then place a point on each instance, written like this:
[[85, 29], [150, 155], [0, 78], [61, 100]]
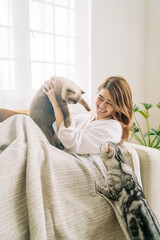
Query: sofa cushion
[[150, 167], [132, 159]]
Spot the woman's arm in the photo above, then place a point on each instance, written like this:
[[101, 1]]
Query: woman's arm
[[49, 91], [87, 139]]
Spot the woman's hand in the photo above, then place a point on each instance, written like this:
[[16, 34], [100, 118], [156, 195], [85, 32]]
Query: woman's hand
[[49, 90]]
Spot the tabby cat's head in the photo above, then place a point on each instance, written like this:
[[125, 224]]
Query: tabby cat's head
[[111, 154]]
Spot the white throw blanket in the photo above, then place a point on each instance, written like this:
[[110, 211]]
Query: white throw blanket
[[48, 194]]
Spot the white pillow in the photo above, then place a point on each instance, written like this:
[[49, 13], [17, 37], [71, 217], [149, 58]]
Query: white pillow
[[132, 159]]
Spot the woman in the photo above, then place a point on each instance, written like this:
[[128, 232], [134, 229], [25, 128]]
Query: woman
[[111, 122], [49, 194]]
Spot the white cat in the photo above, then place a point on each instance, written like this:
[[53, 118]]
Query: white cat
[[41, 110]]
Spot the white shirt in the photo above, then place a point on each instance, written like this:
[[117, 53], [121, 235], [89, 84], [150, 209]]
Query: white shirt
[[85, 136]]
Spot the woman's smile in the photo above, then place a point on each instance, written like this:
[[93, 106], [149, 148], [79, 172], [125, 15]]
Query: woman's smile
[[102, 111]]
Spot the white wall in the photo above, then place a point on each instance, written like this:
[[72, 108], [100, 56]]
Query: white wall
[[125, 41], [152, 79]]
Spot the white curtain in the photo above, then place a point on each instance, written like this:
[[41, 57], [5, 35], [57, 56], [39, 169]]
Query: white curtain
[[39, 39]]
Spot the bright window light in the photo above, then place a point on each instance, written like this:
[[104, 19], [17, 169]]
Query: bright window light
[[40, 39]]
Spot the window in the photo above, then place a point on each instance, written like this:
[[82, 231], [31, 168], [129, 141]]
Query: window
[[40, 39]]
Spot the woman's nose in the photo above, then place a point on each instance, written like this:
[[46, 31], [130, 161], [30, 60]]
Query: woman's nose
[[103, 104]]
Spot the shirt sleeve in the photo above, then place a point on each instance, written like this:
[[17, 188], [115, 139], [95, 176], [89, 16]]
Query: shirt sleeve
[[89, 139]]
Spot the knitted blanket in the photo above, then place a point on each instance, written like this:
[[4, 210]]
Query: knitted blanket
[[46, 193]]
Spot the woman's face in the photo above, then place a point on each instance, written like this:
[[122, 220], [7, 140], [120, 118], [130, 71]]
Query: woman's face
[[103, 104]]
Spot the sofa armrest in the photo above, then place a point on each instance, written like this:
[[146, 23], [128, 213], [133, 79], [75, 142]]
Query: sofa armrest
[[150, 175], [6, 113]]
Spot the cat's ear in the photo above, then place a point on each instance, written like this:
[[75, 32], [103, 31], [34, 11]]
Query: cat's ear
[[109, 148], [82, 92], [121, 143]]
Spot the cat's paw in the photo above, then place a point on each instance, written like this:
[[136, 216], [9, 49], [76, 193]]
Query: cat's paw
[[67, 122], [107, 192], [129, 182], [101, 189], [87, 107]]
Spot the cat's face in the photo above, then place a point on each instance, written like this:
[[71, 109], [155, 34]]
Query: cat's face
[[70, 92], [108, 153], [72, 96], [107, 150]]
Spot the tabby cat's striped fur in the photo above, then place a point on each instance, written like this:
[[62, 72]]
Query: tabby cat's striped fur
[[127, 196]]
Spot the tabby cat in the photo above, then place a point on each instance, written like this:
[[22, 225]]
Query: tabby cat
[[127, 196], [41, 110]]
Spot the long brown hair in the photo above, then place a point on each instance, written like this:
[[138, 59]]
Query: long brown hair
[[121, 98]]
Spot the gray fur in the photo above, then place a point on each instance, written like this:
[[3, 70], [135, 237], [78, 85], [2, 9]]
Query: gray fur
[[127, 195], [41, 110]]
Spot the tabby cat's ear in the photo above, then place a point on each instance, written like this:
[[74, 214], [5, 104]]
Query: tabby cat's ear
[[121, 143], [82, 92], [109, 148]]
